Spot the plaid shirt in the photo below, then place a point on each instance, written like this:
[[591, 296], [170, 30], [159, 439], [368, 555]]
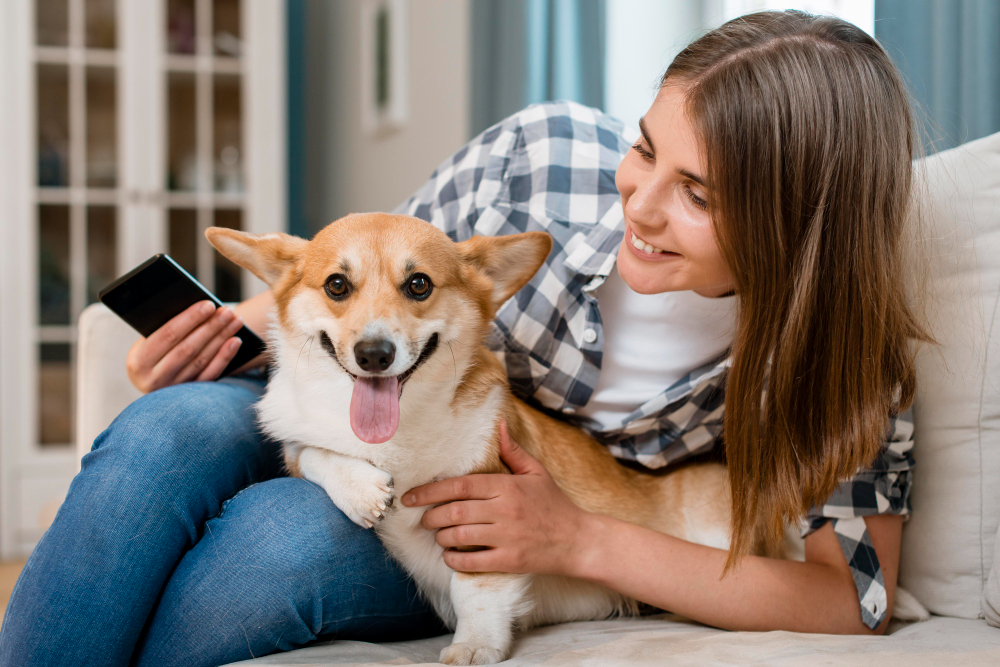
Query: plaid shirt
[[551, 167]]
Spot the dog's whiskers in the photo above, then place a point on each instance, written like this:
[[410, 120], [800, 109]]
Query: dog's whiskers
[[454, 362], [308, 340]]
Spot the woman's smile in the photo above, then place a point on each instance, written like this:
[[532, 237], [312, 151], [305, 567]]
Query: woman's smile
[[645, 250]]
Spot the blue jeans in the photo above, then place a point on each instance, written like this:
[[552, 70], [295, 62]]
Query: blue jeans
[[180, 543]]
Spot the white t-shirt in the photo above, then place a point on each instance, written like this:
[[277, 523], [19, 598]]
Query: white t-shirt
[[650, 342]]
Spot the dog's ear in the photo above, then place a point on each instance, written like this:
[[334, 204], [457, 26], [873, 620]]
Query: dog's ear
[[508, 261], [267, 256]]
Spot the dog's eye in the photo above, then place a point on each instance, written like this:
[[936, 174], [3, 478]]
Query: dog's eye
[[336, 286], [419, 287]]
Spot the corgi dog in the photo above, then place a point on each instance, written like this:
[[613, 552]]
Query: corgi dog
[[382, 382]]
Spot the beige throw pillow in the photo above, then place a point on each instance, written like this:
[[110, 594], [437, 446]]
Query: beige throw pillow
[[948, 543]]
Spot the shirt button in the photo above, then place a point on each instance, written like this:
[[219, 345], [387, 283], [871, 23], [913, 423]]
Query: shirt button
[[569, 410], [589, 336]]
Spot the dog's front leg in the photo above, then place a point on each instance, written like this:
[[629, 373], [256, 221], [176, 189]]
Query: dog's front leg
[[487, 607], [359, 489]]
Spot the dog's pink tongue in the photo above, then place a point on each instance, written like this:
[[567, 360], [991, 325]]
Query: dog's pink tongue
[[375, 408]]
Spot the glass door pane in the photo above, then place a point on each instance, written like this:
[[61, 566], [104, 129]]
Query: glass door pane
[[102, 126], [101, 28], [102, 242], [183, 233], [55, 389], [53, 125], [51, 22], [182, 149], [228, 141], [53, 265], [226, 28], [181, 35]]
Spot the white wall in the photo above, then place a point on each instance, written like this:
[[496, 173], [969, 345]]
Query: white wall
[[859, 12], [643, 36], [349, 170]]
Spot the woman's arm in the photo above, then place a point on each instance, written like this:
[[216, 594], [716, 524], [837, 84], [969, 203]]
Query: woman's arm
[[256, 311], [818, 595], [501, 512]]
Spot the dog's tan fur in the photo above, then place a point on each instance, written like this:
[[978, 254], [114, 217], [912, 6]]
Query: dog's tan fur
[[461, 381]]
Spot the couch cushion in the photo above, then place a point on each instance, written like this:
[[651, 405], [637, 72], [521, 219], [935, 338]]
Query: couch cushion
[[991, 593], [948, 542], [671, 640]]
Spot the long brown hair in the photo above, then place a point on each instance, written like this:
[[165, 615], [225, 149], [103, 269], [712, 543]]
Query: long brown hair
[[808, 139]]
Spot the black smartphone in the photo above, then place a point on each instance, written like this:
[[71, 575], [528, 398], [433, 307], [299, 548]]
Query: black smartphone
[[160, 289]]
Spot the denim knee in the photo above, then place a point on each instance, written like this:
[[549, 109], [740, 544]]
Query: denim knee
[[190, 425], [279, 567], [173, 456], [297, 531], [347, 583]]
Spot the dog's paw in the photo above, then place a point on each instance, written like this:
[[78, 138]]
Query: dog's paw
[[471, 654], [367, 497]]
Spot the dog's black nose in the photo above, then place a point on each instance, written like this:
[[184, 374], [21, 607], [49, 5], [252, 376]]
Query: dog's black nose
[[374, 355]]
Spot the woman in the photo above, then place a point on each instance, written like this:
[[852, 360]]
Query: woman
[[757, 240]]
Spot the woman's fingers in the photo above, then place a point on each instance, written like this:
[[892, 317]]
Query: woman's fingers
[[221, 360], [167, 368], [167, 337], [473, 535], [467, 487], [485, 560], [457, 513], [209, 350], [519, 461]]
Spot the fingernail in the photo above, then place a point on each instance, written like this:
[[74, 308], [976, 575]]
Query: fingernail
[[235, 345], [409, 499], [207, 307], [226, 314]]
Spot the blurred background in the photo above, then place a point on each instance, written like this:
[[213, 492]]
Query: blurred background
[[129, 126]]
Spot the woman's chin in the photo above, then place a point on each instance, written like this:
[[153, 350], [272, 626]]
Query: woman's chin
[[651, 278]]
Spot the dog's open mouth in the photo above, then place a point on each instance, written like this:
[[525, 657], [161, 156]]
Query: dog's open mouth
[[375, 399], [425, 353]]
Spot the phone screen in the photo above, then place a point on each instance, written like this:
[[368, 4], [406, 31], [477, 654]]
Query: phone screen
[[160, 289]]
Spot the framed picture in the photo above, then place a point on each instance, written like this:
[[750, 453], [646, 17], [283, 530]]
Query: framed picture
[[384, 64]]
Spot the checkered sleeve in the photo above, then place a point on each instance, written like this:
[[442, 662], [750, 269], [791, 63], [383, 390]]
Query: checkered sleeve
[[466, 183], [882, 488]]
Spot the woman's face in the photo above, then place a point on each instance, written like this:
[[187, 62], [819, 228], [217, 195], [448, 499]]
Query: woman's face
[[661, 183]]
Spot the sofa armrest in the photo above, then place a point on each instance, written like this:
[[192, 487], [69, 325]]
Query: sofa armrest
[[102, 386]]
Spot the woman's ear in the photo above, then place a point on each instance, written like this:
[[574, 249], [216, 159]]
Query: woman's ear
[[508, 261], [267, 256]]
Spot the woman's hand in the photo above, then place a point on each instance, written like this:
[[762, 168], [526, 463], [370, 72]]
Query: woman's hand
[[198, 344], [526, 521]]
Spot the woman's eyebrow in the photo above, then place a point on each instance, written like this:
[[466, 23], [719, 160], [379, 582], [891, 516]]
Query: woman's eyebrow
[[694, 177], [645, 134], [683, 172]]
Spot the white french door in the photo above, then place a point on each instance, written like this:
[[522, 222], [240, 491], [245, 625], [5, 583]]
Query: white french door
[[130, 126]]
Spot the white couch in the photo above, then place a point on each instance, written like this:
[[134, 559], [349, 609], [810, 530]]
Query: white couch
[[948, 544]]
